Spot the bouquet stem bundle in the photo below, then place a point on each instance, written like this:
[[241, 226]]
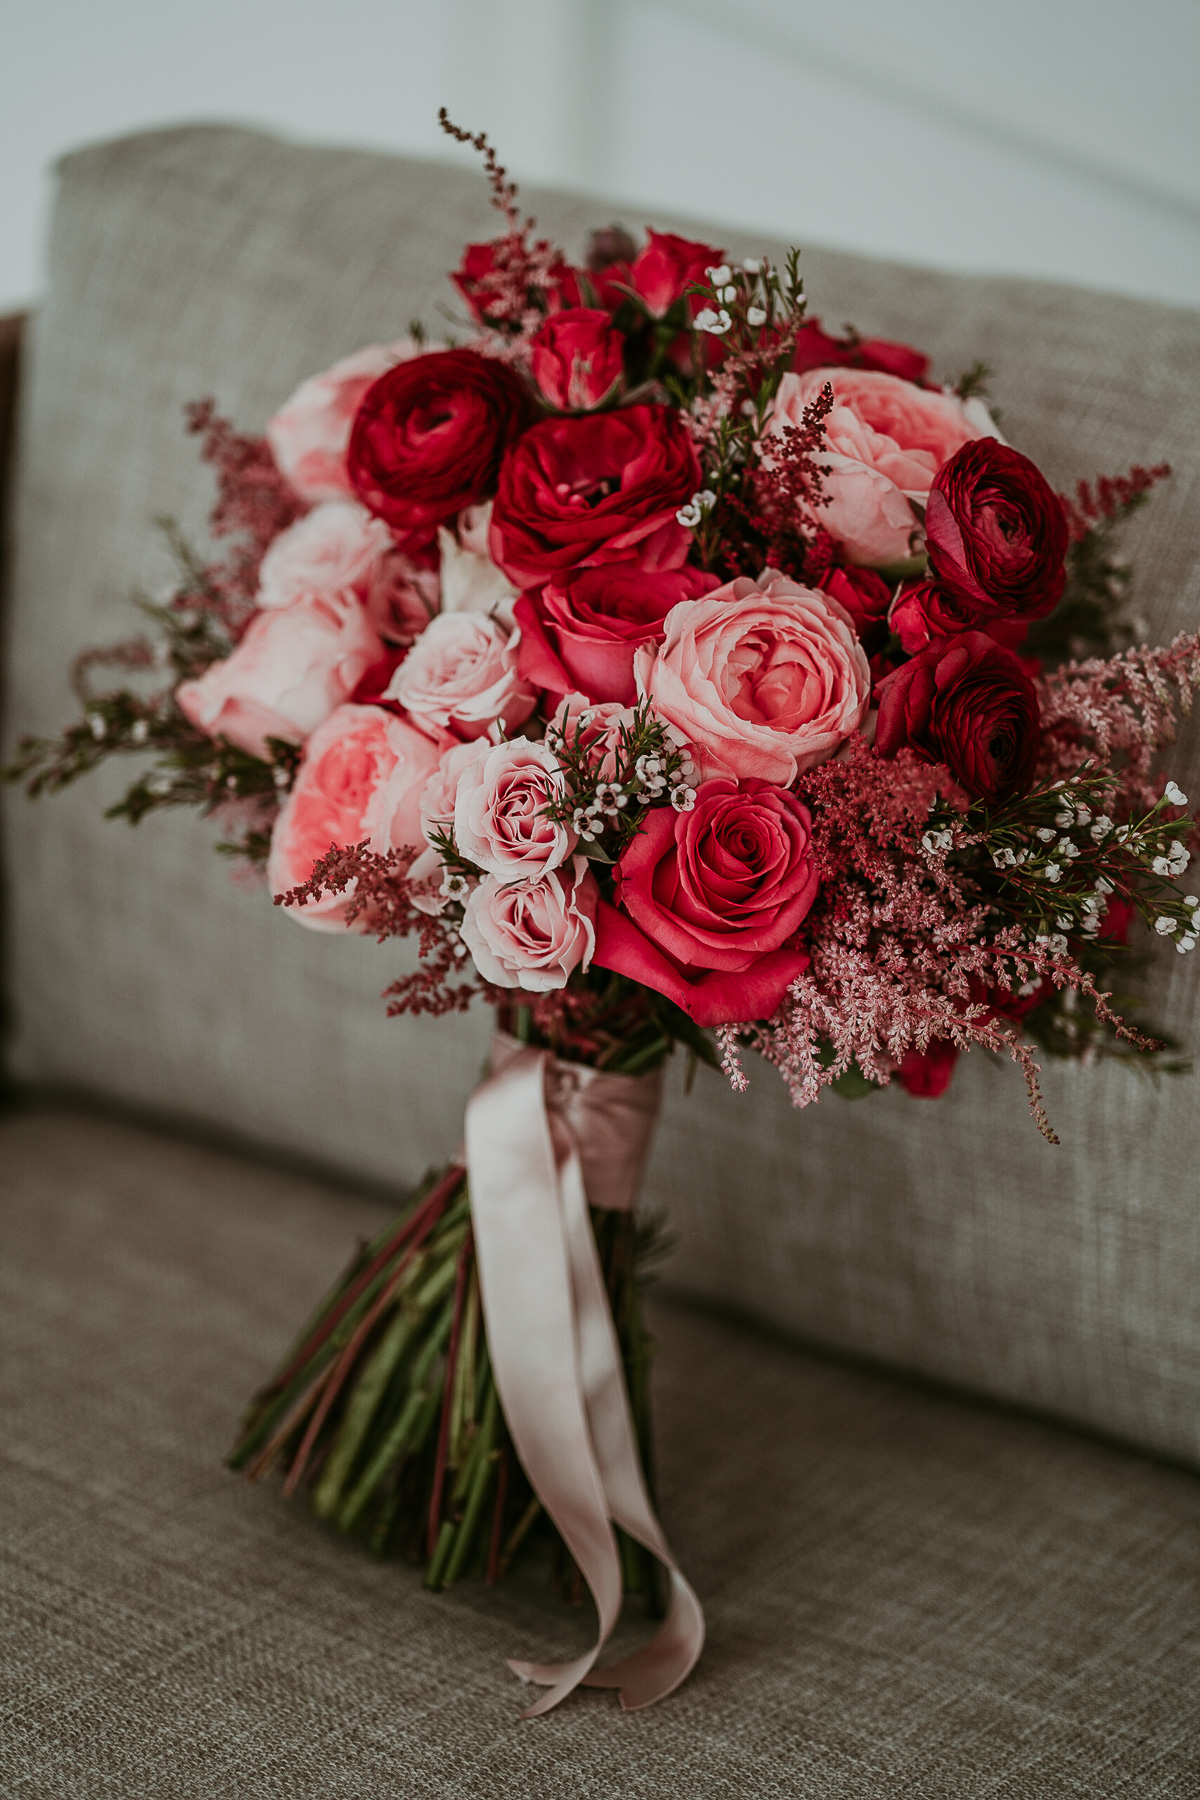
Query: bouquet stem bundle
[[384, 1415]]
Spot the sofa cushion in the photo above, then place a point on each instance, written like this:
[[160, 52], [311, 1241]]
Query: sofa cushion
[[947, 1238], [906, 1594]]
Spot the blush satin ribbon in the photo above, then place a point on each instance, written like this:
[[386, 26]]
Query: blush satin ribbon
[[544, 1139]]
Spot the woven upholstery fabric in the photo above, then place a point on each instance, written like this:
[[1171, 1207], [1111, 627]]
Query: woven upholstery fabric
[[946, 1238], [906, 1594]]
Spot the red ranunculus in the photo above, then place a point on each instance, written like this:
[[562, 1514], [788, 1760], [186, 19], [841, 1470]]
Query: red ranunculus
[[926, 611], [967, 702], [667, 267], [816, 349], [482, 285], [579, 633], [577, 358], [707, 901], [428, 438], [603, 487], [996, 532], [926, 1073]]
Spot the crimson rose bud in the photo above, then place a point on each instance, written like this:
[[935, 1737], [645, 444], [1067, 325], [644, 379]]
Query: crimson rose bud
[[996, 532], [594, 488], [577, 358], [579, 633], [964, 701], [429, 434], [709, 899], [667, 267], [925, 611], [865, 595]]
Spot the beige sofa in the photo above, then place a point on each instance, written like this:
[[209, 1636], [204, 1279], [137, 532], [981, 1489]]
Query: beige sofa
[[909, 1592]]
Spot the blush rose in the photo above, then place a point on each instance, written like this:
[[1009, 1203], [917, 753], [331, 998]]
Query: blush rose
[[331, 550], [292, 667], [762, 681], [885, 440], [533, 934], [308, 436], [461, 677], [709, 899], [362, 777], [579, 633], [500, 821]]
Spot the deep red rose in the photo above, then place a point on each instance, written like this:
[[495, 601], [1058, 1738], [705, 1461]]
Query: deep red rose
[[865, 595], [926, 611], [967, 702], [708, 899], [996, 532], [372, 683], [597, 488], [926, 1073], [1119, 915], [480, 280], [816, 349], [577, 358], [667, 267], [579, 633], [428, 438]]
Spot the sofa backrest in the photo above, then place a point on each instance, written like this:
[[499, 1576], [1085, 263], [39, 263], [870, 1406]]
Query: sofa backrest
[[946, 1238]]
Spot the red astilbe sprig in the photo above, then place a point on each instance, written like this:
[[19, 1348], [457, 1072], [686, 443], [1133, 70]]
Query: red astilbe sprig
[[1119, 711], [1109, 497], [254, 504], [380, 904]]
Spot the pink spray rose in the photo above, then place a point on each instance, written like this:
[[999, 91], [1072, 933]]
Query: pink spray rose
[[885, 440], [532, 934], [308, 436], [362, 777], [332, 550], [461, 676], [499, 810], [292, 667], [762, 682]]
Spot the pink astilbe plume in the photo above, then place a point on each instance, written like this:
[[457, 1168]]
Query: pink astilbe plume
[[1120, 711], [254, 504], [1108, 497]]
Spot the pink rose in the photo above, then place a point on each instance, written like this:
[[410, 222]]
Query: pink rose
[[362, 777], [402, 595], [581, 630], [762, 682], [500, 822], [461, 676], [885, 441], [331, 550], [532, 934], [441, 790], [294, 665], [309, 435]]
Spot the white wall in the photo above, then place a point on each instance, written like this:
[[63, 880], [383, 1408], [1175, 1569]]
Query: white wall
[[1058, 138]]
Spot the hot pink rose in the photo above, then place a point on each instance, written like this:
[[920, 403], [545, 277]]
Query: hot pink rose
[[461, 676], [334, 549], [532, 934], [762, 682], [577, 359], [886, 440], [308, 436], [500, 821], [294, 665], [362, 777], [709, 900], [579, 633]]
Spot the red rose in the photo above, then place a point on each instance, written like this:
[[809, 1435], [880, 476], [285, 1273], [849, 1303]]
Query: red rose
[[579, 633], [708, 899], [599, 488], [996, 532], [483, 283], [926, 1073], [865, 595], [1119, 915], [816, 349], [967, 702], [667, 267], [578, 358], [926, 611], [428, 437]]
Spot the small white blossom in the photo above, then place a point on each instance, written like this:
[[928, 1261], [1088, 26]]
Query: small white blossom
[[1174, 795], [159, 784], [689, 516], [1067, 848], [1005, 858], [716, 323], [938, 840], [756, 316], [1047, 835], [719, 275], [1161, 866], [1103, 886], [1122, 834], [727, 294], [455, 886], [1102, 827], [752, 265], [1164, 926], [140, 731], [1053, 872], [683, 799], [280, 777], [1064, 818], [1083, 815], [1063, 922], [97, 726], [748, 409], [1184, 944]]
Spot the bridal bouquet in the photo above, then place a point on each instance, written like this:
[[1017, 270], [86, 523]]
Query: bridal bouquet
[[676, 673]]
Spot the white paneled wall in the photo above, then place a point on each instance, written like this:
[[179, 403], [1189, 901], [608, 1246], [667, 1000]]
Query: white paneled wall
[[1058, 138]]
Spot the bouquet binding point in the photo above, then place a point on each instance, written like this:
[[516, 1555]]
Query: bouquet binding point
[[679, 675]]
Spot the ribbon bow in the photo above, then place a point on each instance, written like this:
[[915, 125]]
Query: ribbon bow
[[544, 1139]]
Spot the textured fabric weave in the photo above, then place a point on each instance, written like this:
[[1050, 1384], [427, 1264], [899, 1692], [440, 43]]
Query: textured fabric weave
[[947, 1238], [907, 1595]]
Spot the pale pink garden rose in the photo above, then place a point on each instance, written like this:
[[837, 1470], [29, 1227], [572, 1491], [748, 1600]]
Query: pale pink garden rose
[[762, 680], [294, 665], [362, 777], [461, 677], [885, 440], [436, 813], [499, 810], [402, 596], [334, 549], [532, 934], [308, 436]]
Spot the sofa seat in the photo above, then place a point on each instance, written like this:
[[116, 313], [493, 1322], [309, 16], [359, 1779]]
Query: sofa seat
[[908, 1594]]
